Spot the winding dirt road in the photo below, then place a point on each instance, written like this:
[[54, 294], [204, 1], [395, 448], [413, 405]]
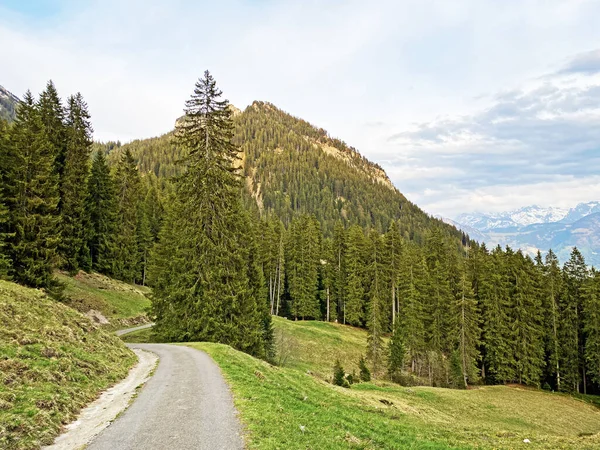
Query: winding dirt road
[[185, 405]]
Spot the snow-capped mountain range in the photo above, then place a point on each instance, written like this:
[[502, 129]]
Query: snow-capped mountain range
[[527, 215], [534, 228]]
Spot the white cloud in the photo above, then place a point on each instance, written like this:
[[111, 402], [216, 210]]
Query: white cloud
[[564, 192], [345, 66]]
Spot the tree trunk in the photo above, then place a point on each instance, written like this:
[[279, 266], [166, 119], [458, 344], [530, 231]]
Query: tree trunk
[[463, 349], [278, 287], [144, 271], [393, 304], [271, 292], [555, 333], [327, 304]]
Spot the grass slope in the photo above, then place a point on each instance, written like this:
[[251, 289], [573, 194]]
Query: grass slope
[[53, 361], [313, 345], [121, 303], [274, 402]]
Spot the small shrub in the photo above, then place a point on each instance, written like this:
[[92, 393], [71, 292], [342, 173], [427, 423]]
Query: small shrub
[[339, 376], [407, 379], [365, 373], [456, 371], [351, 378]]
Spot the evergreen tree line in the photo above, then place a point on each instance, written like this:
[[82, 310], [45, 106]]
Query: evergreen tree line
[[61, 209], [438, 310], [453, 316]]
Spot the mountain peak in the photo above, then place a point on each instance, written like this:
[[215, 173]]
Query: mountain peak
[[320, 139], [8, 104]]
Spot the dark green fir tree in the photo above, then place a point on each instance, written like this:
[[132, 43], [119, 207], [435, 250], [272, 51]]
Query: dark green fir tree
[[101, 213], [202, 288], [75, 170], [396, 352], [129, 195], [32, 198]]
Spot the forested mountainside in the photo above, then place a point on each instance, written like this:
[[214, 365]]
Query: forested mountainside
[[8, 105], [294, 168]]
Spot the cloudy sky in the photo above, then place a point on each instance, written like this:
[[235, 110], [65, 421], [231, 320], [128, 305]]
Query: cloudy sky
[[468, 105]]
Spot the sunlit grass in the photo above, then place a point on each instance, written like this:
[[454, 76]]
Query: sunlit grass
[[275, 403]]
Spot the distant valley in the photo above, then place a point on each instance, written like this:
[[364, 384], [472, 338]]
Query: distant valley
[[533, 227]]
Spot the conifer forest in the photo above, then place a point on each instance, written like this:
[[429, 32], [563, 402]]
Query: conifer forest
[[238, 216]]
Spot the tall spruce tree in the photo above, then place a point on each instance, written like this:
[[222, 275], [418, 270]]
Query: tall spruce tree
[[465, 328], [144, 239], [272, 259], [262, 338], [303, 262], [526, 321], [552, 288], [339, 268], [52, 115], [268, 252], [376, 317], [495, 304], [328, 280], [75, 170], [571, 326], [153, 205], [393, 257], [411, 292], [354, 311], [280, 269], [129, 194], [32, 198], [202, 289], [5, 263], [101, 212], [440, 297], [591, 324]]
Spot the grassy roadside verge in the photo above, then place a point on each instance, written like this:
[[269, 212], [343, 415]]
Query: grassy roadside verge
[[53, 361]]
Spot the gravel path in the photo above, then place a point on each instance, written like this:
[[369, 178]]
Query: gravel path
[[185, 405], [131, 330]]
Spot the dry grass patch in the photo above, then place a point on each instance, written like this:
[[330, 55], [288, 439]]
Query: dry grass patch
[[121, 303], [53, 361]]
